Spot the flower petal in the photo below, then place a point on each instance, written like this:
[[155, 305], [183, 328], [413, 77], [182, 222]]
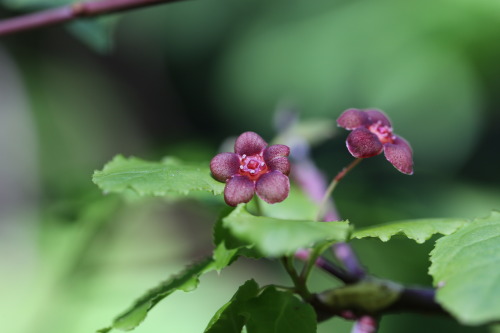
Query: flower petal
[[249, 143], [224, 166], [275, 158], [280, 164], [273, 187], [239, 189], [377, 115], [362, 143], [276, 151], [400, 155], [353, 118]]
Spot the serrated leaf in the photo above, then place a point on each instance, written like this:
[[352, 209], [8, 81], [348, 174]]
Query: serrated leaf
[[229, 318], [228, 248], [155, 178], [186, 281], [297, 206], [418, 230], [276, 311], [276, 237], [223, 256], [466, 268]]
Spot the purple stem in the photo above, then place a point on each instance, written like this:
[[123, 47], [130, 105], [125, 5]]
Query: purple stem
[[346, 255], [417, 300], [70, 12], [421, 299], [327, 266]]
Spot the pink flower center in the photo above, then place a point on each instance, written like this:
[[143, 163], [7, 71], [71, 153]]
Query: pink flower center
[[252, 166], [383, 132]]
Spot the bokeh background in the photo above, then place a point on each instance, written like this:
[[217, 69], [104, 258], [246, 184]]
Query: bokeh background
[[178, 80]]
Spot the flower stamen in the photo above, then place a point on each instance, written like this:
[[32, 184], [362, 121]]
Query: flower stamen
[[252, 166], [383, 132]]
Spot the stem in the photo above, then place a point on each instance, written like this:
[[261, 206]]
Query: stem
[[70, 12], [310, 263], [351, 263], [411, 299], [333, 184], [421, 299], [300, 285], [327, 266]]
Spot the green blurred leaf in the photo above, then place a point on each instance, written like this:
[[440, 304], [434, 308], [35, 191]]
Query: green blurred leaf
[[155, 178], [418, 230], [186, 281], [329, 68], [230, 318], [313, 131], [465, 268], [97, 33], [276, 237], [279, 312]]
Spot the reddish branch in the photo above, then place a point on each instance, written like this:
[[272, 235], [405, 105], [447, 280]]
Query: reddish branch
[[70, 12]]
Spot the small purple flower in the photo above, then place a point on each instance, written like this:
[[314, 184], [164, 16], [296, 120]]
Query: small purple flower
[[253, 167], [371, 134]]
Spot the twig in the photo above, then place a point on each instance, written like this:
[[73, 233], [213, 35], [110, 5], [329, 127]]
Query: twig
[[70, 12], [327, 266], [346, 255], [416, 300], [324, 201]]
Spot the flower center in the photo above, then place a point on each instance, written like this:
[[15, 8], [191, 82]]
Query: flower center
[[252, 166], [383, 132]]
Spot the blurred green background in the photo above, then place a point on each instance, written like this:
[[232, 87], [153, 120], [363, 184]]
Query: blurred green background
[[177, 80]]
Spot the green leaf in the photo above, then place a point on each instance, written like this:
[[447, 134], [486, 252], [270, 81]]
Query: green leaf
[[155, 178], [466, 268], [297, 206], [279, 312], [224, 255], [230, 318], [186, 281], [228, 248], [274, 237], [97, 33], [418, 230]]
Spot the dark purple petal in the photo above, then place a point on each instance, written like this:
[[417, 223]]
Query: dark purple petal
[[276, 151], [224, 166], [353, 118], [362, 143], [249, 143], [377, 115], [400, 155], [273, 187], [239, 189], [280, 164], [275, 158]]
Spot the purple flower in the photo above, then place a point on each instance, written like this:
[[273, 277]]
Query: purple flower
[[371, 134], [253, 167]]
